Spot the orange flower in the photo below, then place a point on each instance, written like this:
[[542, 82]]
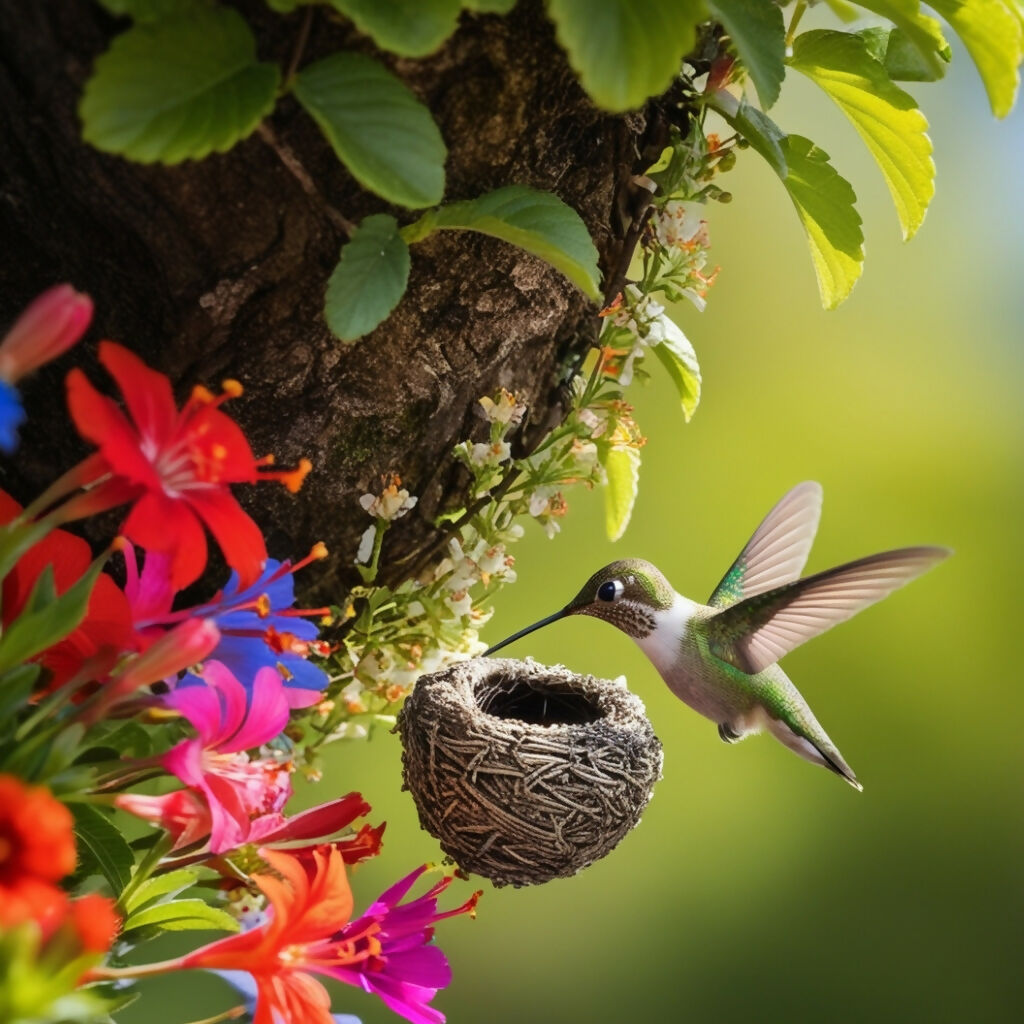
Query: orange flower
[[37, 849], [94, 921]]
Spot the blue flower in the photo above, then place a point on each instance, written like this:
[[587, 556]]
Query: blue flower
[[260, 628], [11, 417]]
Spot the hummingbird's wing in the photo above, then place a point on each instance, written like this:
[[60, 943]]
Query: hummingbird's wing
[[758, 631], [778, 551]]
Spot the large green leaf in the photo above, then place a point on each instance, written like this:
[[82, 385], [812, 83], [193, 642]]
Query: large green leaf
[[622, 466], [991, 31], [538, 222], [763, 134], [759, 36], [923, 32], [680, 360], [625, 50], [182, 915], [369, 280], [380, 131], [101, 848], [151, 10], [412, 28], [886, 117], [178, 88], [825, 203], [903, 62], [41, 626], [159, 887]]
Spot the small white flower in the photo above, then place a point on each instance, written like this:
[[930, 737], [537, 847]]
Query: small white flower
[[392, 503], [460, 602], [366, 545], [481, 453], [507, 410]]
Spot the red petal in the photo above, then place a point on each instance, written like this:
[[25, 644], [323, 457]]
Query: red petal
[[160, 523], [98, 419], [147, 393], [238, 536], [237, 463]]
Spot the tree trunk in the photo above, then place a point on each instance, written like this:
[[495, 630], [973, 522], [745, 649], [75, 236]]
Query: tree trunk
[[217, 268]]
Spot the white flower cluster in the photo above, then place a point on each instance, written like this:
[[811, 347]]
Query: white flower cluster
[[392, 503]]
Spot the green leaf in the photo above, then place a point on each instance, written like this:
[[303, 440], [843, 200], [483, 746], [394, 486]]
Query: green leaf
[[923, 32], [178, 89], [825, 203], [902, 60], [622, 466], [369, 280], [412, 28], [152, 10], [625, 50], [759, 36], [101, 848], [380, 131], [15, 687], [763, 134], [886, 117], [15, 539], [991, 31], [159, 887], [182, 915], [489, 6], [34, 631], [678, 357], [538, 222]]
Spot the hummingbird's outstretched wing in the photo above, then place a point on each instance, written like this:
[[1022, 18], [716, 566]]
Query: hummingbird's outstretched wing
[[778, 551], [758, 631]]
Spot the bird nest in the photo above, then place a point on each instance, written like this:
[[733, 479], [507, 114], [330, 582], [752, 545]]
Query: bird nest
[[525, 772]]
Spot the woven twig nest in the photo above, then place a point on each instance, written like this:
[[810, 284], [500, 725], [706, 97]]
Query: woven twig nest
[[524, 772]]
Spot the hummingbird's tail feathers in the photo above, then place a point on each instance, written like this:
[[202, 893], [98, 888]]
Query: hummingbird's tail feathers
[[758, 631], [778, 550], [817, 751]]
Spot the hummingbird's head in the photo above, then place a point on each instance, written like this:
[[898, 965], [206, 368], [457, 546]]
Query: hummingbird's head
[[626, 593]]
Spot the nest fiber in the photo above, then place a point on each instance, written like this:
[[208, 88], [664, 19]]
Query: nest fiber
[[525, 772]]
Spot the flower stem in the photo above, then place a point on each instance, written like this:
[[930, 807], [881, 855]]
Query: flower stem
[[233, 1014], [798, 13], [137, 971]]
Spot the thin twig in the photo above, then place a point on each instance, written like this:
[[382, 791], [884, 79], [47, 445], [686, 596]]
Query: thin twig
[[287, 157], [300, 46]]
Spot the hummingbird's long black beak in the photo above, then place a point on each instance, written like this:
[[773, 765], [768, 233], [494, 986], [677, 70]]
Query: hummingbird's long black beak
[[529, 629]]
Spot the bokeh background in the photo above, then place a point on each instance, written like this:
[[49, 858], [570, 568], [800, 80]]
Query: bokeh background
[[758, 887]]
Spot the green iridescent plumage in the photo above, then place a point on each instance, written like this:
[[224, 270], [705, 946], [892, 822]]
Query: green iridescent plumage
[[721, 658]]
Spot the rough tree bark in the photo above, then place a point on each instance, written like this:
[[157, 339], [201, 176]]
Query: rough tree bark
[[217, 268]]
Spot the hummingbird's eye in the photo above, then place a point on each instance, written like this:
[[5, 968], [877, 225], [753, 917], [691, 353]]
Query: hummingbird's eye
[[609, 591]]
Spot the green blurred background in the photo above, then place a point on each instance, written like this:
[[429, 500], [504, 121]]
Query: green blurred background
[[758, 887]]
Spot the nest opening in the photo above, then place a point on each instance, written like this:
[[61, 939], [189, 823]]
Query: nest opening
[[526, 772], [536, 702]]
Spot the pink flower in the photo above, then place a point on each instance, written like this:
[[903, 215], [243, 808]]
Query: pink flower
[[400, 965], [50, 325], [226, 788]]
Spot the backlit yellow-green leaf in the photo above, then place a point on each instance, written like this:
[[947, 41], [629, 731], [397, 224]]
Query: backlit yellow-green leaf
[[622, 466], [991, 31], [886, 117]]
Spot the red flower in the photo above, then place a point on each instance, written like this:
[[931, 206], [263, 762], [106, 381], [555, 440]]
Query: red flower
[[174, 465], [50, 325], [307, 909], [94, 921], [105, 632], [37, 849]]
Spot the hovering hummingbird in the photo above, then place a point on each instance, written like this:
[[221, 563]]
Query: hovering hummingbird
[[721, 658]]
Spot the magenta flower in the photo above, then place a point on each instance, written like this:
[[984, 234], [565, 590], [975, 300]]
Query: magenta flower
[[258, 625], [50, 325], [400, 965], [228, 788]]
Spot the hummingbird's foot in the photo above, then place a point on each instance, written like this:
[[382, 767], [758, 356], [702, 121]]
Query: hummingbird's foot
[[727, 734]]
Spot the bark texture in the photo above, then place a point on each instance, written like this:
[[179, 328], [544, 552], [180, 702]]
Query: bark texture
[[217, 268]]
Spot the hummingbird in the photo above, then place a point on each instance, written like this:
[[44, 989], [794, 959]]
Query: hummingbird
[[721, 658]]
